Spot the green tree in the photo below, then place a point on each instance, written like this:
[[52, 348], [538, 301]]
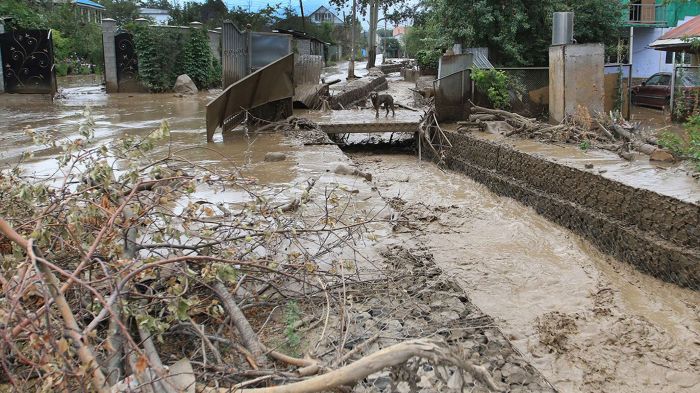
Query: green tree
[[123, 11], [24, 14], [80, 40], [518, 32]]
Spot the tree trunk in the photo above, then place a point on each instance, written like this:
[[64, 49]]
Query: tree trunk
[[372, 39], [351, 66], [303, 19]]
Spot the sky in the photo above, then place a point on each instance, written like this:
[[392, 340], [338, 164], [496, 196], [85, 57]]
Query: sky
[[309, 6]]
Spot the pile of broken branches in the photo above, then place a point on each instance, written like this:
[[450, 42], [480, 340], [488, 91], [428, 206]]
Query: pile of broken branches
[[607, 133]]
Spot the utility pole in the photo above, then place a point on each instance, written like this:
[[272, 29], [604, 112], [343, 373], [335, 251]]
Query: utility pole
[[303, 20], [384, 40], [351, 66]]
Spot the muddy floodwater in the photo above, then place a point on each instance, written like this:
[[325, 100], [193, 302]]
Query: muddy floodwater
[[588, 322]]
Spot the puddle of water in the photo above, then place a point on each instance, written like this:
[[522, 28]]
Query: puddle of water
[[633, 332]]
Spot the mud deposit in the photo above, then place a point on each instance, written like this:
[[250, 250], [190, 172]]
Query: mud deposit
[[588, 322]]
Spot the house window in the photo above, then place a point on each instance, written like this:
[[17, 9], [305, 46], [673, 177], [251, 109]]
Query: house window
[[679, 58]]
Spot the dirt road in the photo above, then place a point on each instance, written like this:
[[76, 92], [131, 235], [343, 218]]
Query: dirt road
[[587, 322]]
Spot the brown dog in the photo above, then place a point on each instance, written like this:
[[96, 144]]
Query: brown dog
[[385, 99]]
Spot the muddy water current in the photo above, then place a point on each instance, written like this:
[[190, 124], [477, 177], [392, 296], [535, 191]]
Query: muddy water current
[[587, 322]]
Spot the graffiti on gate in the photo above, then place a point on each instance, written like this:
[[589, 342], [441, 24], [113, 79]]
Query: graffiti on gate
[[27, 61]]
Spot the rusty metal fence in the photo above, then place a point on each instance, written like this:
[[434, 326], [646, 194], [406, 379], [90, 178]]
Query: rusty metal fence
[[452, 93]]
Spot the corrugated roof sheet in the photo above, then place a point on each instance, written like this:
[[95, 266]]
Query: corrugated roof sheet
[[481, 59], [89, 3], [690, 28]]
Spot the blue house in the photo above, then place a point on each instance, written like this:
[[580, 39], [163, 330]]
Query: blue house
[[88, 9]]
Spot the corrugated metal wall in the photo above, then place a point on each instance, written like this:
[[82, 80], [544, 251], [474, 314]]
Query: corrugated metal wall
[[235, 60], [307, 69], [268, 47]]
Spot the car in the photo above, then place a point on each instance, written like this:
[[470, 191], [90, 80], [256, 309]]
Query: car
[[656, 90]]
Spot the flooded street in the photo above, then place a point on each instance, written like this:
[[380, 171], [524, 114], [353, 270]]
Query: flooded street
[[587, 322]]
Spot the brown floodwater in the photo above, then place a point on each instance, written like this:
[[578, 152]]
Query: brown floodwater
[[625, 331], [629, 333]]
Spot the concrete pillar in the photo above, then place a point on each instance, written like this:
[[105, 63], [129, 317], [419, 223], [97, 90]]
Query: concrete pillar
[[110, 54], [196, 25], [141, 21], [576, 76], [215, 42], [2, 76]]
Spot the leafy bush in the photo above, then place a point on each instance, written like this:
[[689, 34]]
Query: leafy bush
[[689, 149], [215, 73], [164, 54], [24, 14], [157, 51], [75, 42], [198, 58], [428, 59], [495, 84]]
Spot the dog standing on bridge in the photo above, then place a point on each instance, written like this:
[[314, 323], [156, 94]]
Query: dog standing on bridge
[[379, 99]]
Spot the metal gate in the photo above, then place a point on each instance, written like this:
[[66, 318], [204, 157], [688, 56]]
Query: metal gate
[[127, 62], [235, 61], [27, 61]]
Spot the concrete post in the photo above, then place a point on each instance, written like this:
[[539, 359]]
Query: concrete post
[[110, 55], [196, 25], [141, 21], [2, 76]]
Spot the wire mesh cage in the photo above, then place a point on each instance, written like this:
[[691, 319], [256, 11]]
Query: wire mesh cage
[[685, 91], [528, 88]]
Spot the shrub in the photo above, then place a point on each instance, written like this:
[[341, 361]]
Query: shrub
[[164, 53], [689, 149], [495, 84], [198, 58], [215, 73], [158, 50], [428, 59]]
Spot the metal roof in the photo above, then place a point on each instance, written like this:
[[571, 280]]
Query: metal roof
[[89, 3], [676, 38], [690, 28], [480, 57]]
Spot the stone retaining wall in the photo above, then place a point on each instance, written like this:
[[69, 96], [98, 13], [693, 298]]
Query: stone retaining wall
[[658, 234], [388, 68], [357, 90]]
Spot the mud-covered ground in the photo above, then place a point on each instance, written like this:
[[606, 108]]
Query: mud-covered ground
[[587, 322]]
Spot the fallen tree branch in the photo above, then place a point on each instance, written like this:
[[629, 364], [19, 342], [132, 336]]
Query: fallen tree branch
[[389, 357], [248, 336]]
